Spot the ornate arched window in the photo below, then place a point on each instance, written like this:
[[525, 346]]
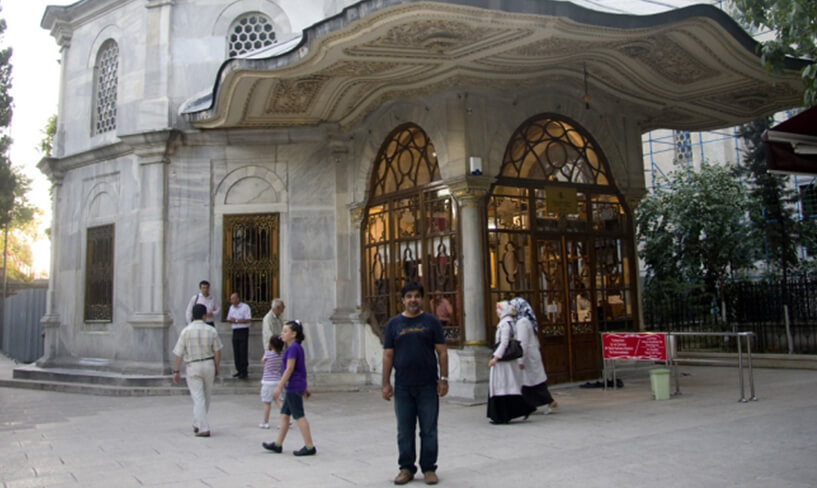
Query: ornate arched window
[[410, 233], [106, 79], [560, 235], [249, 32]]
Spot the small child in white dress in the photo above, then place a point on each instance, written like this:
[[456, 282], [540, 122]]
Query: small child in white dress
[[272, 376]]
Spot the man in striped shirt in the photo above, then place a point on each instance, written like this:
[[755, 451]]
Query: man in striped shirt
[[200, 348]]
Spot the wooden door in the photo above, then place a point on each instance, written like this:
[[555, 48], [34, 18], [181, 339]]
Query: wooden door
[[566, 330]]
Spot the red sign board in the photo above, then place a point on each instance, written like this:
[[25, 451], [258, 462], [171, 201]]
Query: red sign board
[[641, 346]]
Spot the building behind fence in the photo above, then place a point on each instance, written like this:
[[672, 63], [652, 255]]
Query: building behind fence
[[22, 334], [760, 307]]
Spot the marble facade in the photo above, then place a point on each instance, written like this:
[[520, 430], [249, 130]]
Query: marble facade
[[167, 176]]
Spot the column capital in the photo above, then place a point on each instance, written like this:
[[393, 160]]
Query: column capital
[[62, 32], [152, 147], [158, 3], [356, 214], [633, 198], [469, 190], [50, 168]]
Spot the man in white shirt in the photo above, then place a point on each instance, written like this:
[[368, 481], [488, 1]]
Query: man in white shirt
[[240, 316], [204, 298], [200, 348]]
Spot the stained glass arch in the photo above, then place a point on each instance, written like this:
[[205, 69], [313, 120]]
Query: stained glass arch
[[410, 232], [560, 235]]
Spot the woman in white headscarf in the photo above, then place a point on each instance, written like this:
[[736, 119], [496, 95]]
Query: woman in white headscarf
[[505, 401], [534, 378]]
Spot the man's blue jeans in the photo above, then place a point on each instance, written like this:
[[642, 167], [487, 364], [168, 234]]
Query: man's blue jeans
[[413, 404]]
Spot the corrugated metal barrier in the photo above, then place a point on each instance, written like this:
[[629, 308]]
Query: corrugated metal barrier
[[22, 333]]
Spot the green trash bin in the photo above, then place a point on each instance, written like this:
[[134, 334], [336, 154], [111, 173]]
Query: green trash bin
[[659, 381]]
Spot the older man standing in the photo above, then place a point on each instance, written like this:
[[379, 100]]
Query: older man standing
[[240, 316], [200, 348], [273, 322]]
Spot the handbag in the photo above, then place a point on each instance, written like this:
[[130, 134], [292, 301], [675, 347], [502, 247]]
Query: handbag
[[513, 351]]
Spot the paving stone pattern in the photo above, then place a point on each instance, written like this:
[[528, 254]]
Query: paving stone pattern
[[618, 438]]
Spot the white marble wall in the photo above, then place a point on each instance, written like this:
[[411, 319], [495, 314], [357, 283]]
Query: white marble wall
[[168, 52], [313, 177]]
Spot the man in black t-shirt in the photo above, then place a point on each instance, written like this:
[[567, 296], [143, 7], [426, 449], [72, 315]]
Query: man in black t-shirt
[[413, 345]]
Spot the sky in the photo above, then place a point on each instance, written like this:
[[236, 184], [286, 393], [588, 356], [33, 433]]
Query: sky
[[35, 90]]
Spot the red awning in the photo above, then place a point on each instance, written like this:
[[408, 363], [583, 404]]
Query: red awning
[[791, 146]]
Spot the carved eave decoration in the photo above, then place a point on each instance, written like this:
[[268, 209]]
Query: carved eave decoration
[[692, 68]]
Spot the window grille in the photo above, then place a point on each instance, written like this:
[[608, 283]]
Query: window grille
[[99, 265], [808, 200], [410, 233], [250, 33], [106, 77], [683, 146], [250, 265]]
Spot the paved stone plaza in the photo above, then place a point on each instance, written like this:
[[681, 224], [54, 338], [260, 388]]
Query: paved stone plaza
[[622, 438]]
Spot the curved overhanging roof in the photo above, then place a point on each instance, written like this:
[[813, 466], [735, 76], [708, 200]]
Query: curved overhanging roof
[[692, 68]]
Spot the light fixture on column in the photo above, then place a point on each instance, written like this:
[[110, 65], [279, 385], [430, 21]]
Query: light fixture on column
[[475, 163]]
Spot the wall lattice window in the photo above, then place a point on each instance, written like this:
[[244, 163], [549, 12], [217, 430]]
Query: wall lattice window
[[250, 264], [410, 233], [106, 78], [99, 274], [250, 32], [682, 141]]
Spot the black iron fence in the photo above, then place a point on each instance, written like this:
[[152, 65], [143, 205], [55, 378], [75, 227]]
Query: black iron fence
[[783, 316]]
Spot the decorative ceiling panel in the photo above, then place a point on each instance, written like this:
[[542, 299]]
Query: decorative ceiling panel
[[690, 68]]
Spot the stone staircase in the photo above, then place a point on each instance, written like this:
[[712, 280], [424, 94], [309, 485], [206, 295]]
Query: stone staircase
[[95, 382], [90, 381]]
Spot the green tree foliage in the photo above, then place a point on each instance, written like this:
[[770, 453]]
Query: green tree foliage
[[47, 142], [796, 35], [7, 180], [17, 215], [773, 205], [694, 232]]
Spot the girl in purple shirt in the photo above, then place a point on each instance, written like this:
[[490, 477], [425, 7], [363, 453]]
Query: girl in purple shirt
[[294, 378]]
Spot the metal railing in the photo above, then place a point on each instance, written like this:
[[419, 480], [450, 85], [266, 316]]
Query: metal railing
[[672, 358]]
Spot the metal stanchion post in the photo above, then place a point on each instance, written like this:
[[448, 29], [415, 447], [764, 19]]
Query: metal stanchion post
[[751, 374], [740, 369], [673, 351]]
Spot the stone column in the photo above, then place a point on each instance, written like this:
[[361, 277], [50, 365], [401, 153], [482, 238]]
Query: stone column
[[155, 109], [51, 320], [470, 381], [350, 356], [150, 318], [52, 346]]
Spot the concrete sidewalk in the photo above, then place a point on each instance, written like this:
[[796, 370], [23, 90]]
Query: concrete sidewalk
[[621, 438]]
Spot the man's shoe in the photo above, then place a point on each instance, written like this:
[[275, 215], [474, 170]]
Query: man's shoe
[[206, 433], [430, 478], [236, 375], [403, 477], [195, 430], [306, 451], [271, 446]]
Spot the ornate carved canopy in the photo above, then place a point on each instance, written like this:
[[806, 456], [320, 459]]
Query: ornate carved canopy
[[692, 68]]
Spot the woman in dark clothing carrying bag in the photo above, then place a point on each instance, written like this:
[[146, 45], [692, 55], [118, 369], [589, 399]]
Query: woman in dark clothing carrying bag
[[534, 378]]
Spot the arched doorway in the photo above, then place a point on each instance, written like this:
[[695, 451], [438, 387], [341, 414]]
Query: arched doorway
[[560, 235], [410, 233]]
